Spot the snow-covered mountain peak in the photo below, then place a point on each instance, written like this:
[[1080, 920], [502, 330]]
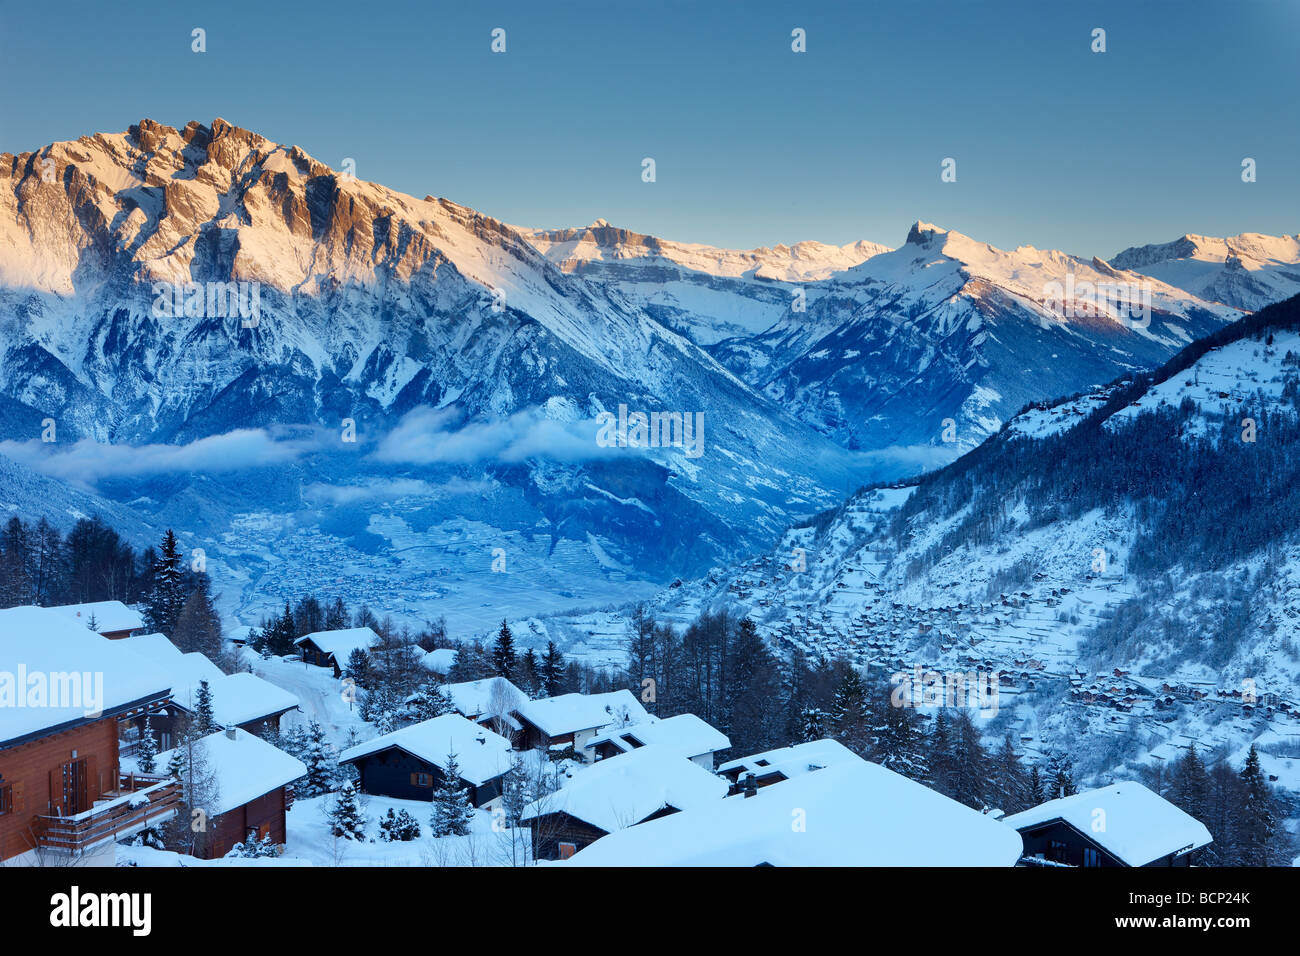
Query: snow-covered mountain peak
[[581, 249], [1247, 271]]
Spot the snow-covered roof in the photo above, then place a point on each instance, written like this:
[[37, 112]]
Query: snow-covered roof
[[686, 734], [1133, 824], [439, 660], [494, 696], [244, 768], [480, 754], [852, 814], [239, 698], [236, 698], [109, 616], [571, 712], [343, 642], [42, 644], [792, 761], [614, 794]]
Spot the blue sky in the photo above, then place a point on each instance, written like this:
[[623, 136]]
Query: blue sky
[[1055, 146]]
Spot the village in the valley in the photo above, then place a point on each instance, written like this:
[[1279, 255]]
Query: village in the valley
[[167, 760]]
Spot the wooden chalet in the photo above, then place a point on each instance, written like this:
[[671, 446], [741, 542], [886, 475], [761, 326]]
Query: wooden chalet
[[63, 691], [877, 818], [254, 789], [773, 766], [111, 619], [574, 719], [332, 648], [411, 763], [687, 734], [242, 700], [648, 783], [1124, 824]]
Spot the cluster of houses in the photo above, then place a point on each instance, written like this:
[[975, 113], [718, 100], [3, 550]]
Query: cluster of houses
[[636, 789], [69, 694]]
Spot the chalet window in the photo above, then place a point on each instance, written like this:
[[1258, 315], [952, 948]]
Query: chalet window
[[567, 850], [421, 780], [1091, 857], [1056, 851], [6, 800]]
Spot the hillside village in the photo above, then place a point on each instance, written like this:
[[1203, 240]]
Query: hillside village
[[176, 763]]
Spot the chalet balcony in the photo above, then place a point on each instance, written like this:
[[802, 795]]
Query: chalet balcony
[[140, 800]]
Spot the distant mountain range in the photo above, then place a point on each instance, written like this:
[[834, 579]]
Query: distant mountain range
[[468, 350]]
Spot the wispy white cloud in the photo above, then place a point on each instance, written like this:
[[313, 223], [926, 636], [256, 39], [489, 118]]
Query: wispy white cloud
[[429, 436], [88, 461]]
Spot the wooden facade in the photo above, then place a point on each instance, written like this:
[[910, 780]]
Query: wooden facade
[[557, 836], [397, 773], [50, 783], [1059, 842], [530, 736], [312, 654], [263, 816]]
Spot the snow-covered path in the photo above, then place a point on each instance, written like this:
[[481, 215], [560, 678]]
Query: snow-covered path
[[320, 698]]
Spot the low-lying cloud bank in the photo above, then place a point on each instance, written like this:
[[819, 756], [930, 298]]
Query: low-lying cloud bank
[[88, 461], [429, 436]]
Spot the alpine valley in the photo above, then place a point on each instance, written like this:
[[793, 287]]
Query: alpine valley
[[976, 477]]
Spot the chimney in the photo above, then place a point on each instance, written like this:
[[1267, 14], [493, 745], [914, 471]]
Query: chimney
[[230, 731], [751, 787]]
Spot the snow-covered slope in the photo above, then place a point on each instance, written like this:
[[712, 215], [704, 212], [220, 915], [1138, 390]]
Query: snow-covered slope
[[1248, 271], [1128, 561]]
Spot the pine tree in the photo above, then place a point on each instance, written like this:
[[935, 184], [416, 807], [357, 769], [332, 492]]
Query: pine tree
[[321, 761], [198, 626], [898, 743], [554, 671], [452, 812], [516, 792], [336, 616], [939, 747], [529, 672], [814, 724], [968, 770], [427, 702], [1060, 776], [1010, 782], [398, 826], [849, 712], [148, 749], [1257, 822], [345, 816], [504, 658], [204, 722], [1191, 785], [167, 596], [176, 763], [358, 667], [751, 700], [1036, 794]]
